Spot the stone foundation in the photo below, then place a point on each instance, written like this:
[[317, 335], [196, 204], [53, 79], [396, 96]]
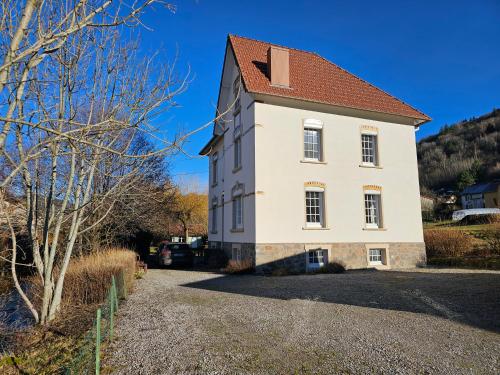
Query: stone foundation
[[352, 255]]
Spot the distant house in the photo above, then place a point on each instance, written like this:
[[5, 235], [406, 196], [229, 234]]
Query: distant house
[[486, 195], [310, 164]]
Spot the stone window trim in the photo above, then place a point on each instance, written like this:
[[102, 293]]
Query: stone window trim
[[312, 247], [315, 186], [370, 131], [386, 256], [373, 190], [317, 125]]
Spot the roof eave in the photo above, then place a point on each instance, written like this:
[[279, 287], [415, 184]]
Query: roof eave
[[418, 120]]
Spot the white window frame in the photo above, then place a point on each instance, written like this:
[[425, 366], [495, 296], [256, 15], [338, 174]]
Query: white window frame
[[237, 141], [236, 253], [369, 155], [316, 126], [215, 158], [237, 204], [310, 194], [373, 220], [319, 257], [376, 255]]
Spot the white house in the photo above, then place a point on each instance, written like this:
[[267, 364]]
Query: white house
[[310, 164]]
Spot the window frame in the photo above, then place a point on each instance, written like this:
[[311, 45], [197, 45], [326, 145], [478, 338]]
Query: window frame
[[369, 224], [373, 151], [385, 259], [237, 142], [237, 225], [375, 256], [312, 125], [214, 164], [316, 263], [214, 216], [320, 207]]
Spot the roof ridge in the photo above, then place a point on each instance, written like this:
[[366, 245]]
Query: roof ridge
[[274, 44]]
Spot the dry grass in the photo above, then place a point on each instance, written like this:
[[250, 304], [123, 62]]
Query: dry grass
[[88, 278], [238, 267], [46, 350], [447, 243]]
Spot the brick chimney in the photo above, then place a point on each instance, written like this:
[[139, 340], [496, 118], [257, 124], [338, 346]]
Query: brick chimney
[[278, 69]]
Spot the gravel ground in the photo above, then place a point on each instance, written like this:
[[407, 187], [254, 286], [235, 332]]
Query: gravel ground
[[190, 322]]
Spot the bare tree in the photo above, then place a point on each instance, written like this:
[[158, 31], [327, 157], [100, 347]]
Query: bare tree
[[76, 101], [76, 104]]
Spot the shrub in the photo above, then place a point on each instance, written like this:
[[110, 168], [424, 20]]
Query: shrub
[[88, 278], [446, 243], [239, 266], [332, 267], [493, 241], [480, 219]]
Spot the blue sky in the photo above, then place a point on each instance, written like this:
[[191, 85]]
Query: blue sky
[[443, 57]]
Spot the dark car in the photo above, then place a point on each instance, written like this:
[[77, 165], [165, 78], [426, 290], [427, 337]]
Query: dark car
[[175, 254]]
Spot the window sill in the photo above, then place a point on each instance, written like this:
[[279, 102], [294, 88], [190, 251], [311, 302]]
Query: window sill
[[371, 166], [318, 228], [375, 229], [237, 169], [236, 230], [313, 161]]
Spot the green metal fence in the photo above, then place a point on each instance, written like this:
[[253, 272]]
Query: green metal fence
[[88, 358]]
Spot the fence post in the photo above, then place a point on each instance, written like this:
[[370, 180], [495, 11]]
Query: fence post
[[115, 293], [111, 313], [98, 343]]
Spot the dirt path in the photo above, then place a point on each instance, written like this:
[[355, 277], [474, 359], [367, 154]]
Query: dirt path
[[188, 322]]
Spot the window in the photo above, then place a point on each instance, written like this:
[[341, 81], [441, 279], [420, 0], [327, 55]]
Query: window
[[238, 212], [372, 210], [236, 93], [317, 258], [237, 152], [314, 208], [214, 169], [312, 144], [375, 256], [214, 215], [237, 140], [236, 253], [369, 149]]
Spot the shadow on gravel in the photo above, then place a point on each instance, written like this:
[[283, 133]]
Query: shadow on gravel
[[468, 298]]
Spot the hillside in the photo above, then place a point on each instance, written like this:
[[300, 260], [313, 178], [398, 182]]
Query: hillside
[[461, 154]]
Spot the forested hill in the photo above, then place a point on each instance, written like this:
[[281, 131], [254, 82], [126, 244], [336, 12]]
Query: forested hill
[[461, 154]]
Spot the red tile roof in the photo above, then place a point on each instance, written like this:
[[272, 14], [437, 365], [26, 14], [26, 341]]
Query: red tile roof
[[315, 79]]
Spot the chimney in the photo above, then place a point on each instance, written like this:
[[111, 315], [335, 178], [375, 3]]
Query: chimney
[[278, 68]]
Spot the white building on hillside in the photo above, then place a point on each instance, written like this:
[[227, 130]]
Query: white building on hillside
[[311, 164]]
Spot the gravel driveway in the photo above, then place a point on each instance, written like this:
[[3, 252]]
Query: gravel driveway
[[190, 322]]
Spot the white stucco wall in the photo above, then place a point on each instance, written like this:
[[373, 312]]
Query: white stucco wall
[[227, 177], [280, 176]]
